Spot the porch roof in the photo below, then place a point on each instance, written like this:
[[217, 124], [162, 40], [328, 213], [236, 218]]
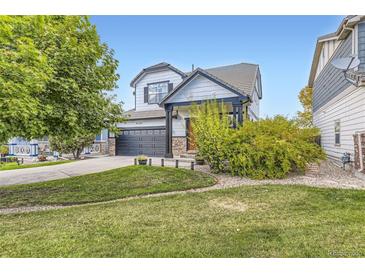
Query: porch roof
[[150, 114]]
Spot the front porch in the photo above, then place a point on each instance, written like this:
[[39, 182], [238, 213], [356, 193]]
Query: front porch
[[179, 140]]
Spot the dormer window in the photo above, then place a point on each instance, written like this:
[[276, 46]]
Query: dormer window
[[157, 91]]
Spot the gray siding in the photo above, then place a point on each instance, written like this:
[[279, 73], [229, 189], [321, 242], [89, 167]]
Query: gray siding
[[331, 81], [361, 46]]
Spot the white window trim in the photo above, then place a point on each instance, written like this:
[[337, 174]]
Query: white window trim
[[337, 132], [156, 83]]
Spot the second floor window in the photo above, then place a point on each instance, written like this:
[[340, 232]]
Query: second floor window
[[156, 92]]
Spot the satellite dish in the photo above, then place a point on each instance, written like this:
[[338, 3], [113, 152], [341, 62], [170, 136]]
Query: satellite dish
[[346, 63]]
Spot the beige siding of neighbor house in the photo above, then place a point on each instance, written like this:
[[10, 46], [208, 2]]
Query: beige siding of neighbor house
[[349, 109], [201, 88], [153, 77]]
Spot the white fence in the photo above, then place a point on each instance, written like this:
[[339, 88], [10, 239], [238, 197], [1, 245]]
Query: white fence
[[33, 150]]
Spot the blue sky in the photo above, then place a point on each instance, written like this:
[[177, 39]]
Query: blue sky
[[283, 46]]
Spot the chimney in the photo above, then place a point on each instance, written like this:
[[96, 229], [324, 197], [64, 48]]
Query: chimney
[[192, 67]]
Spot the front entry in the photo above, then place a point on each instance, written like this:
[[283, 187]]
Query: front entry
[[191, 145]]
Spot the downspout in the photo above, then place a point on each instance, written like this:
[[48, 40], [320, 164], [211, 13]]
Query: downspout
[[359, 144]]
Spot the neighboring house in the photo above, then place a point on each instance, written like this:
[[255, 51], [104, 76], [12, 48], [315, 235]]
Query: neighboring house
[[24, 148], [159, 125], [338, 104]]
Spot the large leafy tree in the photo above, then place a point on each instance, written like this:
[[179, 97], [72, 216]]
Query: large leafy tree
[[24, 72], [305, 117], [58, 78]]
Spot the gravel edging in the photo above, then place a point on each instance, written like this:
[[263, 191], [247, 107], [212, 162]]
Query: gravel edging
[[329, 176]]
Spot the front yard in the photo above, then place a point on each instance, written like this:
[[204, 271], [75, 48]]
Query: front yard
[[103, 186], [14, 165], [247, 221]]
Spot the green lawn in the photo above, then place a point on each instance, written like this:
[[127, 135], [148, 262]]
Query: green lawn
[[250, 221], [14, 165], [103, 186]]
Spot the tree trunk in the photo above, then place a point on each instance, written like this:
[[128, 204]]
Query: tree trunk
[[77, 152]]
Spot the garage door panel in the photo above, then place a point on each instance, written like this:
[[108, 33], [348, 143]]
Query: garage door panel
[[150, 141]]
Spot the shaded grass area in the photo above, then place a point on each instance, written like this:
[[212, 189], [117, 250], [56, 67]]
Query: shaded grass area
[[14, 165], [249, 221], [103, 186]]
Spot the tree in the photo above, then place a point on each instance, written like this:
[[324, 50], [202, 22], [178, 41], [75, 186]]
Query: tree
[[64, 77], [305, 118], [74, 145], [24, 71]]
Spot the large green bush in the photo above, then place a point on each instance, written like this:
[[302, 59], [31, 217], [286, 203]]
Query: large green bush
[[268, 148], [211, 129], [271, 148]]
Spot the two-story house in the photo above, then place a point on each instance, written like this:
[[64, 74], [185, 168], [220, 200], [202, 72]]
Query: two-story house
[[339, 94], [159, 124]]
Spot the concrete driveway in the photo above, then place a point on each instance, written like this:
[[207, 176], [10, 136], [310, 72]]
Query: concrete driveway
[[47, 173]]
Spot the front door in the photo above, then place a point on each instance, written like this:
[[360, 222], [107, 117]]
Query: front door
[[191, 145]]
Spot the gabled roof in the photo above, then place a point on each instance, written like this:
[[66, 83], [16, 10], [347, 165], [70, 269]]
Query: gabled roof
[[238, 78], [341, 33], [159, 66], [242, 76]]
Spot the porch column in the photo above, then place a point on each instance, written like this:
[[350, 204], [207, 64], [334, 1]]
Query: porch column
[[168, 151], [234, 111], [237, 114], [240, 114]]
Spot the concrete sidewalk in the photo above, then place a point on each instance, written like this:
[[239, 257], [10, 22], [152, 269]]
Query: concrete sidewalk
[[82, 167]]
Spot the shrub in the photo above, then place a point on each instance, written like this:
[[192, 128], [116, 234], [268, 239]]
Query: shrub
[[269, 148], [4, 150], [211, 130], [142, 158], [12, 159]]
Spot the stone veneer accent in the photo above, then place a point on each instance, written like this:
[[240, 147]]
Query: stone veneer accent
[[111, 146], [104, 148], [178, 145]]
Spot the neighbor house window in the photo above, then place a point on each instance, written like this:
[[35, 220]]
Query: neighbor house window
[[156, 92], [337, 133]]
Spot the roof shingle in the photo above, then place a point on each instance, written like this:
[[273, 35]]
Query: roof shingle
[[241, 76]]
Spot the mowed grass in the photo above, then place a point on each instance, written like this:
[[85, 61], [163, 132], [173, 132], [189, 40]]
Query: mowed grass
[[249, 221], [14, 165], [103, 186]]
